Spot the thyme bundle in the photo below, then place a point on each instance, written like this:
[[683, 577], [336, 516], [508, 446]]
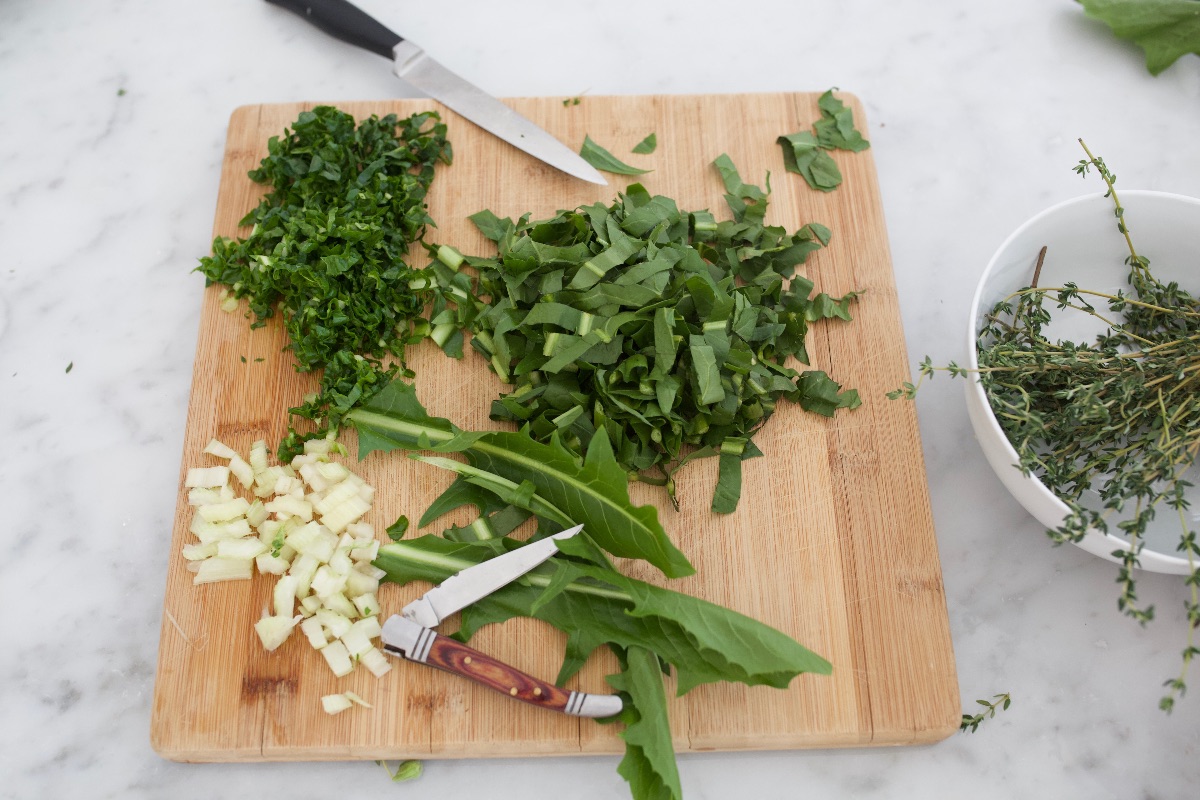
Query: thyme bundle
[[1110, 426]]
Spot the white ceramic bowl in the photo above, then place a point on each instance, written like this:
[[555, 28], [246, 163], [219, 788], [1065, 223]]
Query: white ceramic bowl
[[1084, 246]]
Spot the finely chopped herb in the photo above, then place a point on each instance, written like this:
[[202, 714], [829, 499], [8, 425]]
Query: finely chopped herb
[[329, 251]]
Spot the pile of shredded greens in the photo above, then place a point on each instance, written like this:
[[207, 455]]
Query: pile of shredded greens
[[329, 248], [666, 328]]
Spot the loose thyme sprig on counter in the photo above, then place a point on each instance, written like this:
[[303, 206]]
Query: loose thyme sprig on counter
[[1118, 417], [971, 722]]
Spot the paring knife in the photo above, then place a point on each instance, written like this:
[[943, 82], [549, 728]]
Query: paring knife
[[410, 633], [351, 24]]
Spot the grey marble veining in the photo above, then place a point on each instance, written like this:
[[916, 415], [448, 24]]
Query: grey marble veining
[[114, 123]]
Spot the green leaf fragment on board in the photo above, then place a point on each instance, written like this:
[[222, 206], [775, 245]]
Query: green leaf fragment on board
[[602, 159], [804, 155], [806, 152], [647, 145]]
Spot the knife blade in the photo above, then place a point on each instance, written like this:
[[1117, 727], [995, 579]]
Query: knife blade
[[347, 22], [474, 583]]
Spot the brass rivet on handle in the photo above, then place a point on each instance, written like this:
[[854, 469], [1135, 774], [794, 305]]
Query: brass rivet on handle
[[513, 691], [466, 659], [537, 691]]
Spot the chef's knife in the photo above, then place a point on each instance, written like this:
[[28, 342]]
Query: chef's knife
[[351, 24], [410, 633]]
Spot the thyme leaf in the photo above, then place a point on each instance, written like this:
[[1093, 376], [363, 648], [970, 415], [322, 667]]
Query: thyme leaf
[[971, 722]]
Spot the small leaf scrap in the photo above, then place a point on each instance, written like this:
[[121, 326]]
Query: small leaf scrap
[[600, 158], [805, 153], [647, 145]]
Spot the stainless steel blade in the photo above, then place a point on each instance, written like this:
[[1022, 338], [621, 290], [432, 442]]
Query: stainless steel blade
[[414, 66], [474, 583]]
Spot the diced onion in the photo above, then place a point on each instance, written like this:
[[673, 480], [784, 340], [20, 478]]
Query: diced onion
[[375, 661], [344, 513], [366, 604], [271, 565], [303, 523], [341, 604], [220, 450], [257, 513], [315, 632], [340, 494], [356, 641], [242, 471], [358, 584], [217, 568], [248, 547], [370, 626], [222, 512], [310, 604], [337, 624], [286, 504], [354, 698], [274, 631], [338, 658], [284, 594], [213, 531], [331, 471], [206, 477], [196, 552], [335, 703], [258, 456], [326, 582]]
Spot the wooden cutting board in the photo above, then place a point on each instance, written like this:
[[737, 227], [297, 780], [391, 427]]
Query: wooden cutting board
[[833, 542]]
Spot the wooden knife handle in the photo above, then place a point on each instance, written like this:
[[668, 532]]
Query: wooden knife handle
[[454, 656]]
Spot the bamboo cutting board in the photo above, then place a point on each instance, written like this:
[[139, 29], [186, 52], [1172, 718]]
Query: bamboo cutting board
[[833, 542]]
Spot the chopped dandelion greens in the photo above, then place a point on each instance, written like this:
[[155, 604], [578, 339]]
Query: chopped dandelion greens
[[667, 329]]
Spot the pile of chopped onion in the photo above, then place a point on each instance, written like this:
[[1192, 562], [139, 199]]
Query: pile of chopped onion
[[304, 525]]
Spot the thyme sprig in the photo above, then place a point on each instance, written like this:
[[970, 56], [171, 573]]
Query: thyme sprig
[[971, 722], [1111, 425]]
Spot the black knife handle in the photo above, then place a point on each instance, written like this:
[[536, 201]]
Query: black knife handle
[[344, 21]]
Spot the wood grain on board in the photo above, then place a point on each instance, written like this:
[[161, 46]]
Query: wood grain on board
[[833, 542]]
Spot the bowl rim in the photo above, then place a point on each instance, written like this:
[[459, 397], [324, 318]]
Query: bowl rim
[[1152, 560]]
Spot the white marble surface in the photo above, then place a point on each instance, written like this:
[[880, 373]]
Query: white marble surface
[[114, 116]]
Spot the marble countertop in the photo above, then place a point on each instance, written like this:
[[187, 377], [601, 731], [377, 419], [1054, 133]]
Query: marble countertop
[[114, 123]]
